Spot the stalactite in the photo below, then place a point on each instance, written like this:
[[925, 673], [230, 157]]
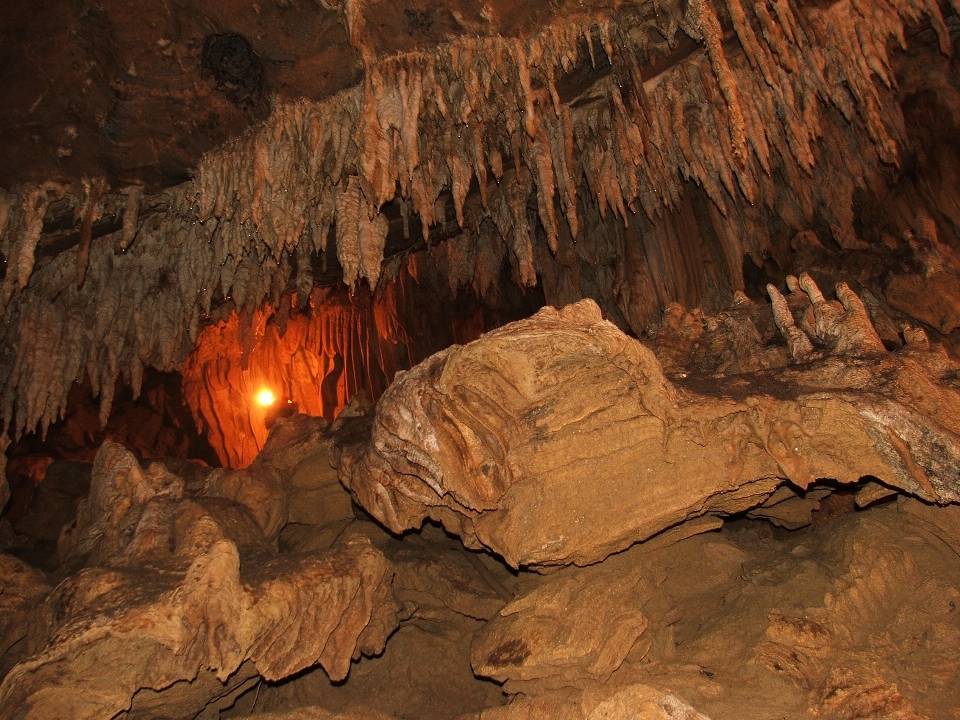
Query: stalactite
[[131, 216], [373, 237], [22, 252], [89, 211], [752, 129], [348, 230], [703, 21], [322, 358]]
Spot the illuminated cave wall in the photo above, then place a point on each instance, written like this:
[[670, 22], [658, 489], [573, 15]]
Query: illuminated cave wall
[[340, 346]]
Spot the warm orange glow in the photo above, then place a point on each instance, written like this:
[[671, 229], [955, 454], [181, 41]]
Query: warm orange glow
[[265, 397]]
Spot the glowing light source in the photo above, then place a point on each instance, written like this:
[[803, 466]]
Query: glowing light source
[[265, 397]]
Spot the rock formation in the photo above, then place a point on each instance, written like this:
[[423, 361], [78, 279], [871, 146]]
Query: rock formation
[[714, 476], [226, 592], [656, 147], [162, 600], [558, 439]]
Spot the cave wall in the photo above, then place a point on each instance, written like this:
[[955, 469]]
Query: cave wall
[[339, 346]]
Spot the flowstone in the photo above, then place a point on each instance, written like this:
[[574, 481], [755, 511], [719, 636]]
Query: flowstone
[[558, 439]]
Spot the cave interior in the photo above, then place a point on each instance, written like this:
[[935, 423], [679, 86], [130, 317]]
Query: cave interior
[[480, 359]]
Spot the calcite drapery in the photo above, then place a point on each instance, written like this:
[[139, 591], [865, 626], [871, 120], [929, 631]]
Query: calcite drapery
[[559, 439]]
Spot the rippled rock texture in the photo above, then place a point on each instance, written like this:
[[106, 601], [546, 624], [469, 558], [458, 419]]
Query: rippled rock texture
[[559, 439]]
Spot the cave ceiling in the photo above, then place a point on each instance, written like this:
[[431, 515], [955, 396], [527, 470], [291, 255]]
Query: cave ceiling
[[205, 167], [131, 92]]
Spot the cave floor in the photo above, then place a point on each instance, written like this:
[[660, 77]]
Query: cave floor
[[852, 616]]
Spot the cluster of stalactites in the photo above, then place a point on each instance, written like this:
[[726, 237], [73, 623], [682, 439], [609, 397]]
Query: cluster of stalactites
[[487, 111], [425, 124]]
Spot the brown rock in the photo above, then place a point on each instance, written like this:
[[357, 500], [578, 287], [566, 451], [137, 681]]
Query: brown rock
[[259, 489], [291, 440], [931, 294], [433, 574], [54, 500], [315, 713], [576, 626], [316, 495], [125, 518], [882, 643], [631, 702], [637, 701], [290, 480], [789, 509], [531, 709], [933, 300], [4, 485], [558, 439], [111, 632], [424, 673], [23, 589]]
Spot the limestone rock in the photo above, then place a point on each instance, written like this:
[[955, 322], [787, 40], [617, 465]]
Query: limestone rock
[[316, 496], [632, 702], [135, 516], [576, 626], [122, 521], [637, 701], [424, 671], [435, 574], [54, 501], [929, 291], [112, 632], [315, 713], [4, 485], [259, 489], [558, 439], [262, 487], [934, 300], [789, 509], [859, 652], [177, 601], [872, 492], [23, 588]]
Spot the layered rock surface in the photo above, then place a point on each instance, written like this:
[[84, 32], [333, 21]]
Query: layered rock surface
[[559, 439]]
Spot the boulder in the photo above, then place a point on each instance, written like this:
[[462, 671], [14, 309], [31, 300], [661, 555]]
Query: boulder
[[559, 439]]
